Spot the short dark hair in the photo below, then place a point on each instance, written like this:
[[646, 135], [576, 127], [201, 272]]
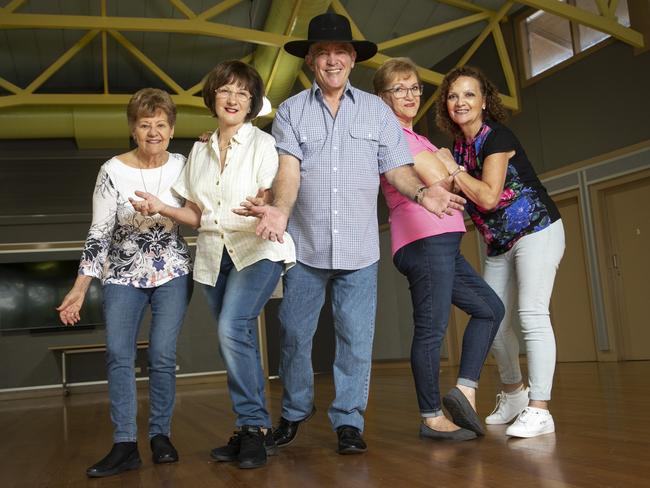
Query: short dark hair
[[146, 102], [494, 108], [386, 72], [230, 72]]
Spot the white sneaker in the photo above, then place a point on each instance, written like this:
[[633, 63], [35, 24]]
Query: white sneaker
[[508, 406], [532, 422]]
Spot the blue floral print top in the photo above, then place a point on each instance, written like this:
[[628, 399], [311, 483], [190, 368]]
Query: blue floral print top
[[524, 205], [125, 248]]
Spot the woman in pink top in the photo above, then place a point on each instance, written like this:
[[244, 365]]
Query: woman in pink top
[[426, 249]]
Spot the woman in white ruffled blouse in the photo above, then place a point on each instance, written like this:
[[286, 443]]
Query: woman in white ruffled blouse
[[141, 261]]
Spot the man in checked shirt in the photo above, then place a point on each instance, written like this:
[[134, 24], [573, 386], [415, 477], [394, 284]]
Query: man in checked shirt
[[334, 141]]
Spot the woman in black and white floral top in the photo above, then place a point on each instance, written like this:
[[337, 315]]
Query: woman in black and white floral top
[[141, 261]]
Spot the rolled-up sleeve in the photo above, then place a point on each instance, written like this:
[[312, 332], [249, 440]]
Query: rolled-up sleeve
[[286, 141], [393, 147]]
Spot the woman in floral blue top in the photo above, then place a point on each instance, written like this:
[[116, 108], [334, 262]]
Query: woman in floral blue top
[[524, 235], [141, 261]]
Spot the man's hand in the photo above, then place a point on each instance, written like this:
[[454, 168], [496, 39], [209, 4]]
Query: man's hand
[[273, 222], [149, 205], [440, 201]]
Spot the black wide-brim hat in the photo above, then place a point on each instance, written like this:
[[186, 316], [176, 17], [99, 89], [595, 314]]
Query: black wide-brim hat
[[331, 27]]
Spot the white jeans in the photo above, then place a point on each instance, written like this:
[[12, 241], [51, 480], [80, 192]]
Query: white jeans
[[529, 268]]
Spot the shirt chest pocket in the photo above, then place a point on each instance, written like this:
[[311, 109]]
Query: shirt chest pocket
[[365, 142], [312, 143]]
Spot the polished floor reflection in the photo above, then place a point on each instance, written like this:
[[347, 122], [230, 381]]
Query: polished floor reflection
[[602, 439]]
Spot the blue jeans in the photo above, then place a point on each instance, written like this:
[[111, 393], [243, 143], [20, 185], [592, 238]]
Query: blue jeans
[[124, 307], [236, 300], [438, 276], [354, 304]]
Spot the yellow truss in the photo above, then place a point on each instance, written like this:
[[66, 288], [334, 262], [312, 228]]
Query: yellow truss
[[200, 23]]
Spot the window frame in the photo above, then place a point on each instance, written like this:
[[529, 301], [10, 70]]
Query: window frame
[[521, 43]]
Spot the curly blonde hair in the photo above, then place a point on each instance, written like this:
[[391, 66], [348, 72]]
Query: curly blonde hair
[[494, 108]]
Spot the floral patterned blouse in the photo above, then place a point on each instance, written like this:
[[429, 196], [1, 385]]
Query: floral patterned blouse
[[524, 206], [125, 248]]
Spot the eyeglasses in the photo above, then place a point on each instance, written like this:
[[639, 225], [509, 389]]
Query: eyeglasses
[[240, 96], [401, 91]]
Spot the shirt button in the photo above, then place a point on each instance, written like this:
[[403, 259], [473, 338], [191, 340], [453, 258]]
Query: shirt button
[[336, 212], [216, 222], [336, 231], [334, 168], [230, 251], [217, 183], [335, 148], [335, 190]]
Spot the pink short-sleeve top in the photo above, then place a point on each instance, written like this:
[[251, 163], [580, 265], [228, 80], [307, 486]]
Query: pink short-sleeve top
[[409, 221]]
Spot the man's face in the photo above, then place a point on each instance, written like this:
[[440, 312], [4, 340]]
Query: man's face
[[331, 63]]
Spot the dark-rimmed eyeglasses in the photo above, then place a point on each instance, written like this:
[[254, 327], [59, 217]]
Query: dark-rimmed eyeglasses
[[401, 91]]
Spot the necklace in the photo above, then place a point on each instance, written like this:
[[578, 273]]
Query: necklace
[[142, 177]]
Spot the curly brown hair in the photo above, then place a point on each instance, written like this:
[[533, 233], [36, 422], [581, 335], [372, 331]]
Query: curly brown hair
[[494, 108]]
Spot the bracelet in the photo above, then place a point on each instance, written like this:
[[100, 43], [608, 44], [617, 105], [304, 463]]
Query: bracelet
[[459, 169], [417, 198]]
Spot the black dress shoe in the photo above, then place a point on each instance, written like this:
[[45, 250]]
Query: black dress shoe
[[461, 411], [123, 456], [286, 431], [350, 440], [453, 435], [163, 451]]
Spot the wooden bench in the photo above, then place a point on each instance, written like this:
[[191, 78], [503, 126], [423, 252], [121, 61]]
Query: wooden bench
[[81, 349]]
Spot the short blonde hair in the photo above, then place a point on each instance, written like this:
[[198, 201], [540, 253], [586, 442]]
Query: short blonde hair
[[387, 71]]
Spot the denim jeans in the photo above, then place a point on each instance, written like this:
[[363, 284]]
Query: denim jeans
[[236, 300], [354, 304], [438, 276], [124, 307], [527, 270]]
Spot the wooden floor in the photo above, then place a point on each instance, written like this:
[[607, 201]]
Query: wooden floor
[[601, 411]]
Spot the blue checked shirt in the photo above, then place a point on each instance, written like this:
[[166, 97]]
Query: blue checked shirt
[[334, 220]]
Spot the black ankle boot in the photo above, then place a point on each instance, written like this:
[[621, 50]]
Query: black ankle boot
[[123, 456]]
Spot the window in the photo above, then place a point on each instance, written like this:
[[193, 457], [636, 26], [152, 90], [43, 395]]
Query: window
[[549, 40]]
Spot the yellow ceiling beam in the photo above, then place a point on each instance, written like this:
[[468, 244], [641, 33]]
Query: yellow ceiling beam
[[304, 79], [87, 99], [218, 9], [182, 8], [426, 75], [466, 6], [603, 7], [496, 18], [144, 59], [64, 58], [506, 65], [142, 24], [13, 5], [10, 87], [268, 83], [603, 24], [612, 7], [433, 31]]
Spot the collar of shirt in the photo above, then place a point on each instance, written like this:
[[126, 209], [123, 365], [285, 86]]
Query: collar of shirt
[[241, 136], [317, 92]]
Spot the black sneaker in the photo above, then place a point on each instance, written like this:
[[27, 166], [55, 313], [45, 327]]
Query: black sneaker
[[252, 453], [230, 451]]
